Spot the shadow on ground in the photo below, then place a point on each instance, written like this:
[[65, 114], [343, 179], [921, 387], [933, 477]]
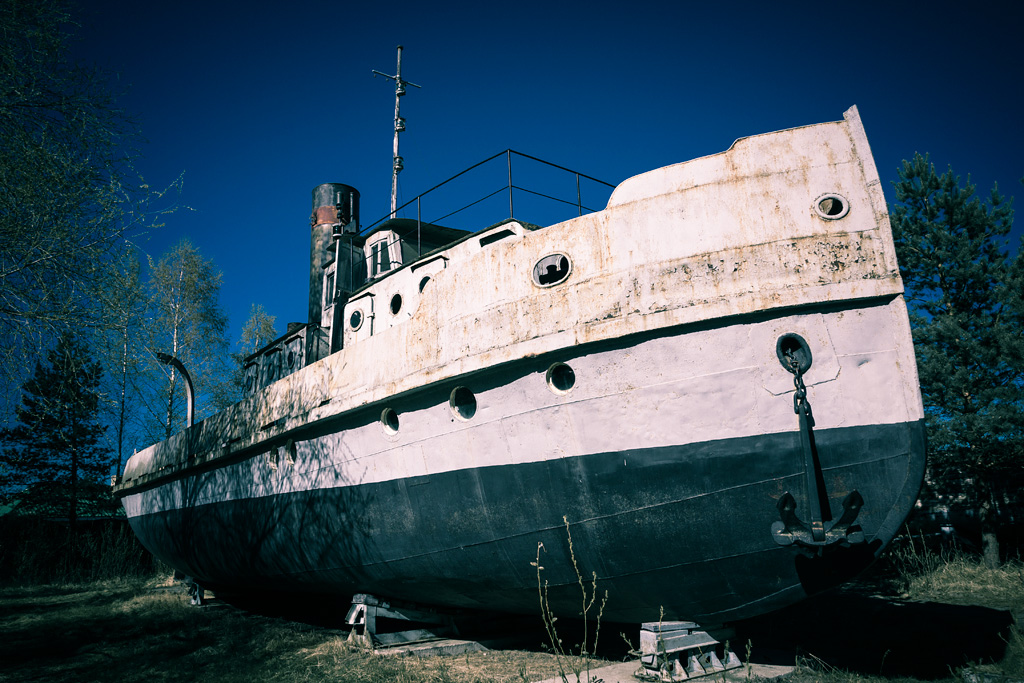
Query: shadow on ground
[[878, 636]]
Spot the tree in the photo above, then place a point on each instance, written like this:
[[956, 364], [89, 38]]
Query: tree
[[257, 331], [187, 322], [119, 347], [69, 195], [964, 295], [55, 445]]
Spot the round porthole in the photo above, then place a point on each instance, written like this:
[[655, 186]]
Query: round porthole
[[831, 206], [396, 304], [561, 378], [424, 281], [462, 403], [355, 321], [389, 421], [552, 270]]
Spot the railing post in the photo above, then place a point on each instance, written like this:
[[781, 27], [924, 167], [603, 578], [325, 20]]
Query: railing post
[[508, 154], [579, 199]]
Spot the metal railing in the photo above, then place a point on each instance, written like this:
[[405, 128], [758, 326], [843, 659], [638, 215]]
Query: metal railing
[[510, 187]]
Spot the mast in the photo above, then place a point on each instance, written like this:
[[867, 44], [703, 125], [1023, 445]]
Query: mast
[[397, 163]]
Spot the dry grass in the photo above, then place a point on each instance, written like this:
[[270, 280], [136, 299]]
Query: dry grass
[[963, 580], [146, 631], [136, 631], [949, 577]]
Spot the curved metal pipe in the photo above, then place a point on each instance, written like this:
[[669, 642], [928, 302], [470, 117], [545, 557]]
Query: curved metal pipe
[[190, 396]]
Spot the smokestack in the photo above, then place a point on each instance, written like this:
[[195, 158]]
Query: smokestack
[[335, 214]]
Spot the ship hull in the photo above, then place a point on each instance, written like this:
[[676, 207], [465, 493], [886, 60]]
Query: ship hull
[[665, 463]]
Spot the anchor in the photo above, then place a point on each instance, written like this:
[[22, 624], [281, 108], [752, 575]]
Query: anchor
[[821, 530]]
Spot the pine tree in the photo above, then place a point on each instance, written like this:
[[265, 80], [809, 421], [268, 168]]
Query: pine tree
[[54, 451], [964, 295]]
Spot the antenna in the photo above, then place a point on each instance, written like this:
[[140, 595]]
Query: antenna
[[399, 127]]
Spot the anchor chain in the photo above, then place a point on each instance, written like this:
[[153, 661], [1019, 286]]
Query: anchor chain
[[817, 531], [800, 396], [812, 470]]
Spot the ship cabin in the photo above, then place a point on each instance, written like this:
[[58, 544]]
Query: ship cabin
[[343, 264]]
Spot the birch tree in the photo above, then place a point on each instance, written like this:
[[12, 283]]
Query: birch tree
[[120, 347], [186, 321]]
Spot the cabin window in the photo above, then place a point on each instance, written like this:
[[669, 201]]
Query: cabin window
[[380, 258], [495, 237], [424, 281], [552, 270], [396, 304], [355, 321], [329, 290], [375, 260]]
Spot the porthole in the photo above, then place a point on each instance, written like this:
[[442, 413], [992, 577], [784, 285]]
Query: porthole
[[462, 403], [831, 206], [389, 421], [552, 270], [561, 378], [424, 281], [396, 304], [355, 321]]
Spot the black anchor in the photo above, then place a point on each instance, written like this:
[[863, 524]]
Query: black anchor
[[820, 530]]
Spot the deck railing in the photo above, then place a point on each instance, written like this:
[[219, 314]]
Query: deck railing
[[480, 193]]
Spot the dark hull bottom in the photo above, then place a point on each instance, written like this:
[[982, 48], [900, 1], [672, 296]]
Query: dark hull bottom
[[684, 528]]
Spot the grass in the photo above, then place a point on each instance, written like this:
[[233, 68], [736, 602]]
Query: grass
[[145, 630], [917, 574]]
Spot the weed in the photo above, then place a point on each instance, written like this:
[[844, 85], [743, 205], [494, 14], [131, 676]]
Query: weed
[[578, 663]]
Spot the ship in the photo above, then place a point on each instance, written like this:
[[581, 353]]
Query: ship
[[704, 395]]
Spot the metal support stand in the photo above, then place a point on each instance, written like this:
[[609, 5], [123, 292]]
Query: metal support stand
[[423, 624], [678, 651], [196, 593]]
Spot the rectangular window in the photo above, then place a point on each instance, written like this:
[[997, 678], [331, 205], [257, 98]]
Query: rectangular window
[[329, 290]]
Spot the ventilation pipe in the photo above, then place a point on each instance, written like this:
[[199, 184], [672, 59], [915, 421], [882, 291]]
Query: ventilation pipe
[[190, 396]]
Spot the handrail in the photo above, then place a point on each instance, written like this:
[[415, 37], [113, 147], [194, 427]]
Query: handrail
[[509, 186]]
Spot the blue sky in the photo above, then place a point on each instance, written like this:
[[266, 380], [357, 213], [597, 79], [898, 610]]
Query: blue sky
[[257, 103]]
